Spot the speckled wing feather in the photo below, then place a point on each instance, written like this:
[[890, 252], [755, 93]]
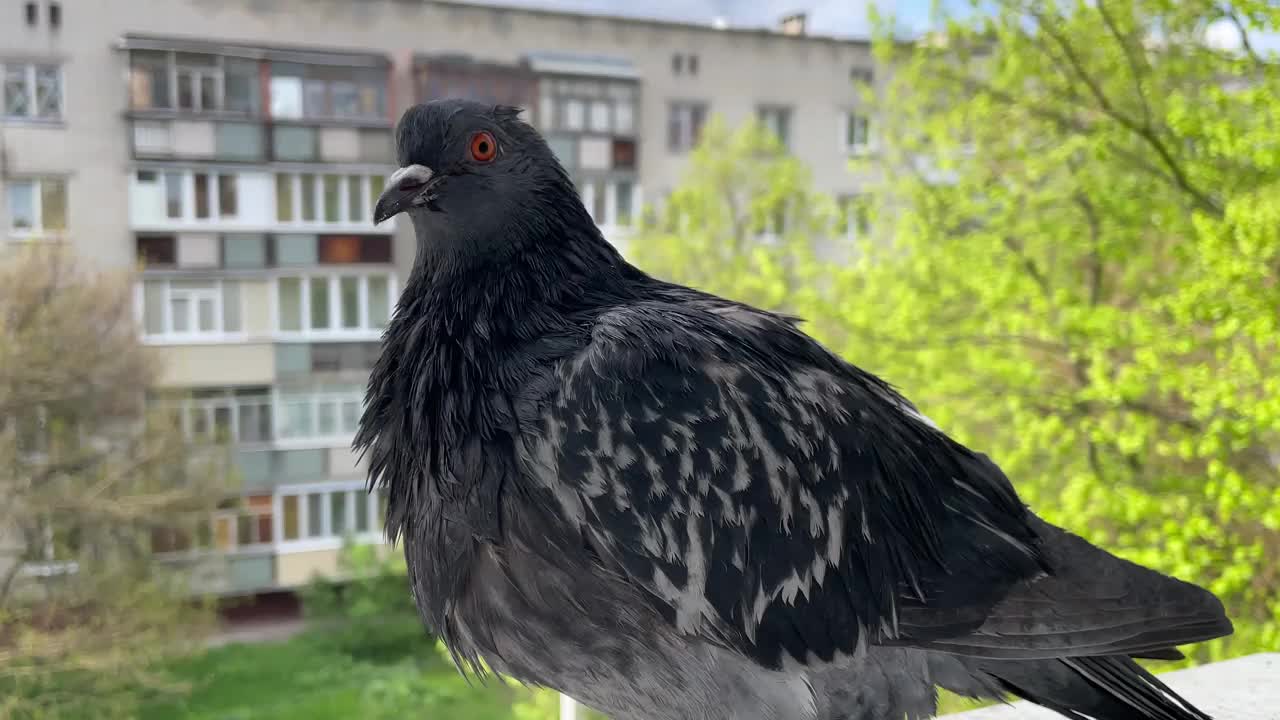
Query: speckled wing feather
[[764, 493]]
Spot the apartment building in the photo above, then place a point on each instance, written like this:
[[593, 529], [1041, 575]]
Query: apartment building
[[233, 150]]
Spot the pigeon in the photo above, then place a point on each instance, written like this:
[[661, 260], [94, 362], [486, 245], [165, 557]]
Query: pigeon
[[669, 505]]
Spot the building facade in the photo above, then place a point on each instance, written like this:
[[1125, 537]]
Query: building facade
[[233, 150]]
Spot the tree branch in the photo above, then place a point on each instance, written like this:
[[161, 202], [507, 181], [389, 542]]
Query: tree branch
[[1147, 134], [1029, 265], [1131, 57], [1095, 237]]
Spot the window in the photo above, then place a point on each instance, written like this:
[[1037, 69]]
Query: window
[[339, 249], [573, 114], [284, 198], [315, 515], [599, 200], [199, 82], [307, 193], [355, 199], [343, 303], [214, 195], [346, 100], [242, 415], [292, 529], [855, 216], [599, 116], [778, 121], [623, 210], [173, 194], [856, 133], [289, 297], [327, 514], [254, 521], [315, 98], [624, 154], [329, 416], [51, 545], [320, 319], [865, 76], [149, 85], [624, 117], [677, 64], [379, 298], [299, 91], [344, 356], [684, 125], [240, 86], [333, 199], [202, 195], [192, 82], [55, 15], [243, 523], [286, 97], [349, 301], [32, 91], [328, 199], [33, 14], [227, 199], [37, 207], [195, 533], [158, 250], [693, 64], [189, 309]]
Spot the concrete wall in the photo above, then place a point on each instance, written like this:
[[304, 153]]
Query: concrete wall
[[212, 365], [295, 569], [738, 70]]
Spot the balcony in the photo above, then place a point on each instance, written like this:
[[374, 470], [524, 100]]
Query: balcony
[[216, 101], [255, 418], [216, 572]]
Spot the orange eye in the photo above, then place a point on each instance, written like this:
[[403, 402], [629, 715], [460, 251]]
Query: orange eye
[[483, 147]]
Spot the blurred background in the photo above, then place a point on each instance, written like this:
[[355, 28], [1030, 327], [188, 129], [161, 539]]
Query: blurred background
[[1055, 226]]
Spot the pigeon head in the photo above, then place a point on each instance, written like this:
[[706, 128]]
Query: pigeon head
[[474, 178]]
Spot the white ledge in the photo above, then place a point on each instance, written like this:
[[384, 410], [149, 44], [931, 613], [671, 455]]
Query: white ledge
[[1246, 688]]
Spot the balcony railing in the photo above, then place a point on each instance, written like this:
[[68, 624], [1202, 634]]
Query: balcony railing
[[277, 419]]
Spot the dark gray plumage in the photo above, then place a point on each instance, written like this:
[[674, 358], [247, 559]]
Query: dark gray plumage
[[669, 505]]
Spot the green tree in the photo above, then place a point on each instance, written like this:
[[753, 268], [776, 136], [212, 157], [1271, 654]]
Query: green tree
[[1075, 267], [745, 221], [86, 475]]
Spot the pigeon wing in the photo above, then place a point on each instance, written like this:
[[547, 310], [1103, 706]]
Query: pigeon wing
[[765, 494]]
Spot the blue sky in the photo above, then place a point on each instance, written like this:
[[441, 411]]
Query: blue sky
[[826, 17], [847, 18]]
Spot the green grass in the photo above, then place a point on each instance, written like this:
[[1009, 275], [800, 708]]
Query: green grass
[[384, 671]]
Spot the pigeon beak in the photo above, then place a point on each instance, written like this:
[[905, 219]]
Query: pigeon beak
[[410, 186]]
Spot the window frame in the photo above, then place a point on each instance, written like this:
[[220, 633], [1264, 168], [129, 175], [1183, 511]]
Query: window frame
[[31, 83], [854, 216], [195, 74], [326, 540], [347, 219], [209, 405], [690, 132], [854, 149], [188, 199], [335, 331], [783, 115], [326, 78], [48, 565], [37, 231], [192, 337], [314, 400]]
